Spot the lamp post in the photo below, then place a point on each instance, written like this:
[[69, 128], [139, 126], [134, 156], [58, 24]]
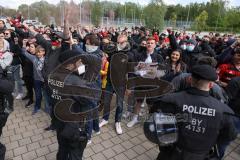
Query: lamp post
[[188, 13], [28, 13], [80, 12], [1, 11]]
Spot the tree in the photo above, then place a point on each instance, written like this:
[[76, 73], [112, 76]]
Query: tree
[[154, 14], [201, 21], [173, 19], [96, 13], [230, 20], [216, 10]]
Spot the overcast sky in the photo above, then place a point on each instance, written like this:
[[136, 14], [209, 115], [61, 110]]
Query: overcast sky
[[15, 3]]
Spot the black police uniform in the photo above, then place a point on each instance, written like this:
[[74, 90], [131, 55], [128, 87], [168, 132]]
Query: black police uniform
[[71, 136], [6, 89], [205, 125]]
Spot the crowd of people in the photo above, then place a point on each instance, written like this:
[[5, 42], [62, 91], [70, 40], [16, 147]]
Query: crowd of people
[[187, 60]]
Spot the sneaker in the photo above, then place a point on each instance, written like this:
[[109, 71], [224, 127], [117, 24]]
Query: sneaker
[[97, 133], [103, 123], [30, 102], [89, 142], [25, 98], [126, 114], [118, 128], [19, 96], [133, 122]]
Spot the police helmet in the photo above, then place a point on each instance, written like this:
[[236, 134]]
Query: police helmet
[[161, 129]]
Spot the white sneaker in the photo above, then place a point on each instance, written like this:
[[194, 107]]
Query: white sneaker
[[133, 122], [103, 123], [118, 128], [89, 142], [19, 96], [97, 133]]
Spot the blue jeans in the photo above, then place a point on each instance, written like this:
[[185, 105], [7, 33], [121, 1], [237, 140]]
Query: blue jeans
[[93, 121], [119, 103], [39, 90], [17, 79]]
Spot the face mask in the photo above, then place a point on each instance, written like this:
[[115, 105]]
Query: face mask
[[184, 47], [91, 48], [190, 48], [120, 47], [178, 41], [142, 48]]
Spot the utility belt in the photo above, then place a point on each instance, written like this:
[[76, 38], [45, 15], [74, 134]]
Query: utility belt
[[182, 154]]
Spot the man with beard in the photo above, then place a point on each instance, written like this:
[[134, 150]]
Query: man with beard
[[123, 47]]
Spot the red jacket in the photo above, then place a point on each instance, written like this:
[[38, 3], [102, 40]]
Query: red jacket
[[227, 71]]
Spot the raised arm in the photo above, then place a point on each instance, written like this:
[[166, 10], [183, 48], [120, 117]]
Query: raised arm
[[40, 39], [25, 53]]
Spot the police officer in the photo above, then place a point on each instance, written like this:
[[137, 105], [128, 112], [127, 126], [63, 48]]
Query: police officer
[[64, 82], [6, 88], [207, 125]]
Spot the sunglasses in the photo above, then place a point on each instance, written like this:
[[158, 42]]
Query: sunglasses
[[7, 33]]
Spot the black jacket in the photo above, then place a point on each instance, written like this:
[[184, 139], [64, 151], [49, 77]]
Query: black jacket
[[6, 85], [205, 123], [233, 91], [27, 67], [68, 83], [156, 58], [115, 68], [16, 50]]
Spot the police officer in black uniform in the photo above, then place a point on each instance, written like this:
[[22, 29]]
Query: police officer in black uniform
[[208, 124], [72, 117], [6, 89]]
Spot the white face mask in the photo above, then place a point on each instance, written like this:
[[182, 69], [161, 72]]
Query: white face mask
[[184, 47], [190, 48], [178, 41], [121, 47], [91, 48]]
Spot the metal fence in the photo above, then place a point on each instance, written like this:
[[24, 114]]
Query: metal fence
[[118, 22]]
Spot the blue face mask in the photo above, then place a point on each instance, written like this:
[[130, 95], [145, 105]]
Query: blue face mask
[[190, 48]]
